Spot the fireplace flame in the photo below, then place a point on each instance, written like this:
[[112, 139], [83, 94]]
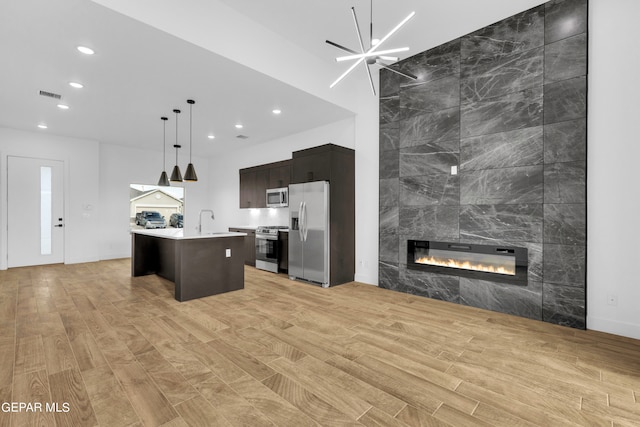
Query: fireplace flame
[[466, 265]]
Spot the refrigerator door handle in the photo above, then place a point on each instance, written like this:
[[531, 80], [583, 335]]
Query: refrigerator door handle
[[300, 222], [306, 228]]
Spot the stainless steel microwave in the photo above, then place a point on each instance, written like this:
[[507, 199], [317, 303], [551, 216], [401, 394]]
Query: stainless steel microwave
[[278, 197]]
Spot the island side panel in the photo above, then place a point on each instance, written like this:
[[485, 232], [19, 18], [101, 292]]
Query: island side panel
[[144, 255], [152, 255], [167, 256], [203, 268]]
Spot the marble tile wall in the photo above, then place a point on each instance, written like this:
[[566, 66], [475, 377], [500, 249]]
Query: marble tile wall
[[507, 105]]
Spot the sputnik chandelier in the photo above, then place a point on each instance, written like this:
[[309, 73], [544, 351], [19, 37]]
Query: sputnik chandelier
[[371, 55]]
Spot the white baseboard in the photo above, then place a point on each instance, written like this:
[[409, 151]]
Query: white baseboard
[[366, 279], [105, 257], [80, 260], [630, 330]]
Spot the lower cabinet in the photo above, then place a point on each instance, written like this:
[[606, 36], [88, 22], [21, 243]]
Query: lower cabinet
[[249, 245], [283, 242]]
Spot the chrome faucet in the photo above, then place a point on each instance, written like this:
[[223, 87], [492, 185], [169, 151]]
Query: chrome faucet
[[200, 217]]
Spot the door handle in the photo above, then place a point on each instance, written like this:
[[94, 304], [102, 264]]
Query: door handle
[[59, 225], [306, 228], [300, 222]]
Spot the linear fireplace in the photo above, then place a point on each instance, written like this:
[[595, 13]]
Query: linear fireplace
[[495, 263]]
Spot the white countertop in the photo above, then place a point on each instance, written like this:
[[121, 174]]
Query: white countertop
[[181, 233], [253, 227], [245, 227]]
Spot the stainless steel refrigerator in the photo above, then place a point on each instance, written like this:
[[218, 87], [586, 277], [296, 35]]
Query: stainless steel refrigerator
[[309, 232]]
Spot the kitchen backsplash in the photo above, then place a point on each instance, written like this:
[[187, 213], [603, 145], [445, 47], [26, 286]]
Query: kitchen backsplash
[[267, 216]]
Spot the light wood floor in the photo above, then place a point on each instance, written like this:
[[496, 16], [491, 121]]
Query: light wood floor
[[122, 352]]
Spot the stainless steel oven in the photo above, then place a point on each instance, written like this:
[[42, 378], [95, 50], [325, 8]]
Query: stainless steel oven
[[267, 247]]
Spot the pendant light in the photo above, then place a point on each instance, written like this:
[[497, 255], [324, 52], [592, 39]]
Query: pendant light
[[176, 175], [164, 179], [190, 174]]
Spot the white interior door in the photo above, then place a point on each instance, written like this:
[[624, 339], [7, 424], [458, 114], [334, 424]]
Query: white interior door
[[35, 215]]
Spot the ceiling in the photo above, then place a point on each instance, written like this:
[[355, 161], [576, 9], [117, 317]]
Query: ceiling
[[140, 73], [137, 75], [309, 23], [332, 20]]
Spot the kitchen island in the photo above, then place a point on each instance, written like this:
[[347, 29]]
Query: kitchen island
[[199, 264]]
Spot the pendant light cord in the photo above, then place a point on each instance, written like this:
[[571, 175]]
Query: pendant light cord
[[176, 111], [190, 175], [164, 143]]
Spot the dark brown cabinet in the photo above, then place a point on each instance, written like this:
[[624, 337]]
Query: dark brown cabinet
[[283, 242], [311, 166], [337, 165], [249, 245], [253, 187], [255, 181], [280, 176], [247, 188], [262, 183]]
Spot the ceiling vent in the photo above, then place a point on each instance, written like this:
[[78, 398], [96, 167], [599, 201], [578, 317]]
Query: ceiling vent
[[50, 94], [242, 137]]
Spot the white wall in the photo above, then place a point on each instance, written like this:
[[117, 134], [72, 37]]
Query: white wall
[[96, 175], [120, 166], [225, 181], [613, 202], [367, 180], [80, 185]]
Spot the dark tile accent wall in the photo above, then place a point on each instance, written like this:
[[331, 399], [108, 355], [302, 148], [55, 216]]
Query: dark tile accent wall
[[507, 105]]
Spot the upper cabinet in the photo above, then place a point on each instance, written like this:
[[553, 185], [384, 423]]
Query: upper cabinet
[[280, 176], [253, 186], [255, 181], [310, 165], [323, 163]]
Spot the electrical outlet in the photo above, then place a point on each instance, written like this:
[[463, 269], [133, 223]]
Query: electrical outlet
[[228, 253], [612, 299]]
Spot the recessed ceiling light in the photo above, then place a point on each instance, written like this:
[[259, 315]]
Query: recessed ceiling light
[[85, 50], [211, 136], [76, 85], [276, 111], [63, 107], [238, 126], [42, 126]]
